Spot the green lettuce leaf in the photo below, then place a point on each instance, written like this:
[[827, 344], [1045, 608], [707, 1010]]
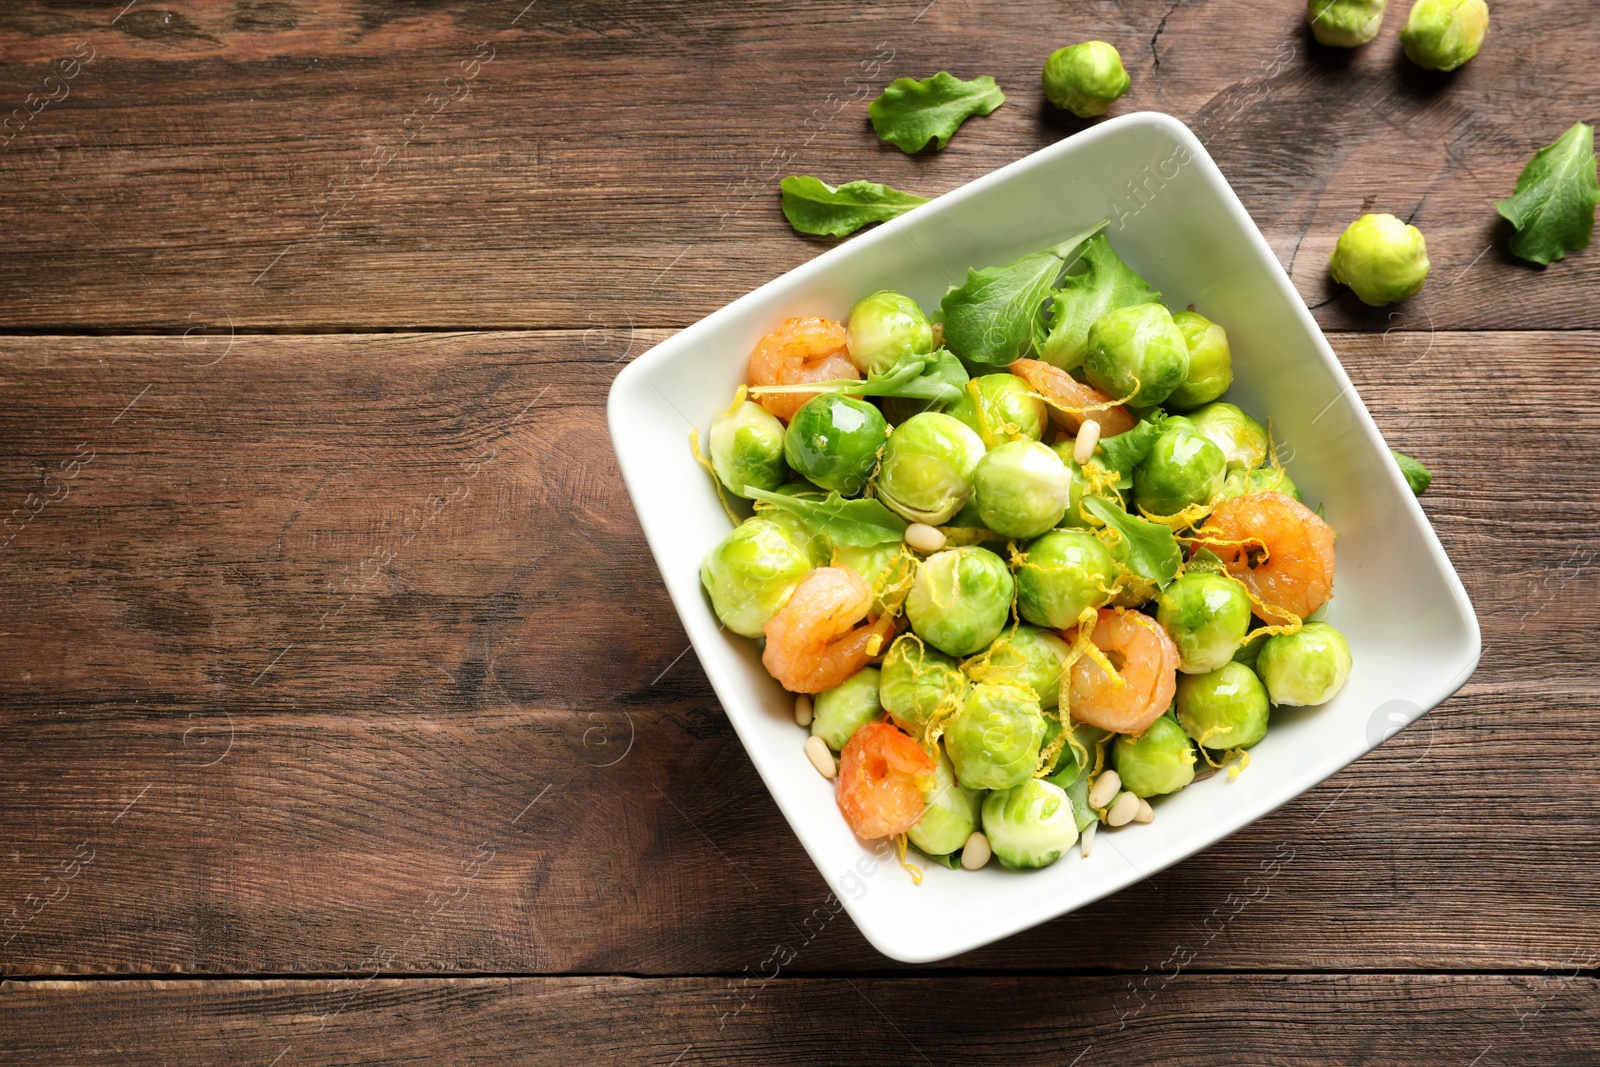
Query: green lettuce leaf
[[1128, 449], [1146, 548], [910, 113], [937, 376], [990, 317], [1105, 284], [815, 207], [862, 523], [1418, 477], [1553, 204]]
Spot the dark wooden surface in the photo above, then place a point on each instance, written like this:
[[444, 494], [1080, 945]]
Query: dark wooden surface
[[337, 685]]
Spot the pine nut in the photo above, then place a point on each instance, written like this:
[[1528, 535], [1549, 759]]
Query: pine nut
[[802, 709], [821, 758], [1146, 812], [921, 537], [1086, 842], [1105, 789], [976, 851], [1088, 438], [1122, 810]]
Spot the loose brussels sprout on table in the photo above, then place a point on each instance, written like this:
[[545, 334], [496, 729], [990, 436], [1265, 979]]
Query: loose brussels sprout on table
[[957, 669], [1444, 34], [1345, 23], [1085, 78]]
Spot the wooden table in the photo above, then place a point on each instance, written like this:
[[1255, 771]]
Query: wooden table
[[345, 718]]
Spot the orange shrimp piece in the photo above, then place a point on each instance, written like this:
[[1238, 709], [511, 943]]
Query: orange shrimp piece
[[1278, 548], [1139, 648], [882, 774], [1066, 397], [801, 350], [813, 643]]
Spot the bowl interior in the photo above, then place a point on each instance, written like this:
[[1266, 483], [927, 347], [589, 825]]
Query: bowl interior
[[1411, 629]]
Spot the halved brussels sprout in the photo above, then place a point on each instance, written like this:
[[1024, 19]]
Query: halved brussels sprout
[[960, 600], [1305, 667], [1242, 439], [833, 440], [1207, 616], [918, 682], [1183, 468], [1137, 355], [751, 574], [1023, 655], [994, 742], [1022, 489], [950, 812], [847, 707], [926, 471], [1225, 708], [1006, 408], [1210, 362], [1061, 574], [746, 445], [886, 327], [1160, 760], [1029, 825]]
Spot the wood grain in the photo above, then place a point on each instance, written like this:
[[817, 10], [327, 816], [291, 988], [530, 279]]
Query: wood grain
[[1087, 1021], [345, 649], [285, 165]]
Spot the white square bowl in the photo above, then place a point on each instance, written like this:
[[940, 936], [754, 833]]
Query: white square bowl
[[1411, 629]]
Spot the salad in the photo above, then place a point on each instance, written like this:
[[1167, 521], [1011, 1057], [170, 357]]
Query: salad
[[1023, 566]]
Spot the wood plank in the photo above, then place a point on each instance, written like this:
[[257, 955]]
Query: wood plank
[[284, 701], [290, 166], [1187, 1020]]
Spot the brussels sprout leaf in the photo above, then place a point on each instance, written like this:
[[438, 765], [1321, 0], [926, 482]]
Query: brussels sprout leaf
[[910, 113], [862, 523], [937, 376], [989, 318], [1128, 449], [1105, 284], [815, 207], [1146, 548], [1418, 477], [1553, 204]]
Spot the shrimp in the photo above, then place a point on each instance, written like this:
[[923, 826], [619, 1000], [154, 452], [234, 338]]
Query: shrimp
[[1279, 549], [1147, 660], [813, 643], [801, 350], [882, 774], [1069, 399]]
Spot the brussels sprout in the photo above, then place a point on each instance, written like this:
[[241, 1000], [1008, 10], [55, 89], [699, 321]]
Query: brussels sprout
[[926, 471], [1224, 708], [950, 812], [1023, 655], [1061, 574], [885, 327], [960, 599], [1305, 667], [887, 568], [1029, 825], [1136, 355], [1210, 362], [848, 706], [1443, 34], [746, 444], [1183, 468], [1260, 480], [834, 440], [1006, 407], [1022, 489], [1381, 259], [917, 682], [1160, 760], [1081, 486], [1242, 439], [1345, 23], [751, 574], [1085, 78], [994, 742], [1207, 616]]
